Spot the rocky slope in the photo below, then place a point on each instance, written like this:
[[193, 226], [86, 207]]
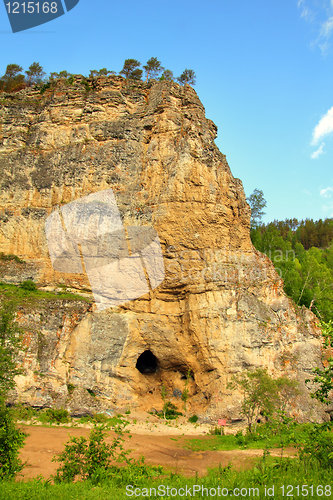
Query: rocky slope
[[221, 307]]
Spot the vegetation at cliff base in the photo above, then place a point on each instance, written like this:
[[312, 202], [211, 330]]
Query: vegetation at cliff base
[[11, 438], [27, 292]]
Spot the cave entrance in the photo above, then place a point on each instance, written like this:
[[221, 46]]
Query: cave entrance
[[147, 363]]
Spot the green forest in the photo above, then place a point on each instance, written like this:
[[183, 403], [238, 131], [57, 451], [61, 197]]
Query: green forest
[[302, 253]]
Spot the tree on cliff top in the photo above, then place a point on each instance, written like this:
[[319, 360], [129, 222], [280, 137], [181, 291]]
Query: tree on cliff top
[[187, 76], [167, 75], [35, 73], [12, 80], [257, 203], [131, 69], [100, 72], [153, 68], [61, 74]]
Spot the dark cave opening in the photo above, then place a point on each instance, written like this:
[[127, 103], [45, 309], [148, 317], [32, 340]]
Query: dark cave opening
[[147, 363]]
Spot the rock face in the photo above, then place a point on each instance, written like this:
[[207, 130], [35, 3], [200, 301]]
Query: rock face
[[221, 307]]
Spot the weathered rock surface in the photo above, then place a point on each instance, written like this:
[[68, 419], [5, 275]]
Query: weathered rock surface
[[221, 307]]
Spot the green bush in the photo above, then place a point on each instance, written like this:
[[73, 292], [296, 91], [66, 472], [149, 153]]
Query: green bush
[[28, 285], [70, 388], [169, 411], [10, 256], [55, 415], [215, 431], [11, 440], [193, 419], [100, 418], [45, 87], [23, 412], [95, 460], [317, 445]]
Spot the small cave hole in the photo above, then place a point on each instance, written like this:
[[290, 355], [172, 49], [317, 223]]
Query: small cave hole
[[147, 363], [184, 376]]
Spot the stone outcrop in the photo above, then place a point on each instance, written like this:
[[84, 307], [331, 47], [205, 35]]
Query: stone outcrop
[[221, 307]]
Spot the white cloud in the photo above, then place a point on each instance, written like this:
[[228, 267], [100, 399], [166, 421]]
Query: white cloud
[[319, 151], [320, 13], [327, 192], [329, 209], [323, 128], [306, 13], [327, 27]]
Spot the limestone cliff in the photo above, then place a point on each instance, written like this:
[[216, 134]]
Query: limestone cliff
[[221, 307]]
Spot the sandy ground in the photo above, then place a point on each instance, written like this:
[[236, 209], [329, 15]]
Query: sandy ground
[[161, 444]]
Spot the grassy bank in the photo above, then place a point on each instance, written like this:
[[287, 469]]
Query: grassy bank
[[288, 477]]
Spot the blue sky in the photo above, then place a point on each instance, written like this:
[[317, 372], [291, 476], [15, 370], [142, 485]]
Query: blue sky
[[264, 74]]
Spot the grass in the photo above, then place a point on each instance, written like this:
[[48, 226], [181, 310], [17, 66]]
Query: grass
[[24, 296], [50, 416], [285, 476], [8, 257], [266, 437]]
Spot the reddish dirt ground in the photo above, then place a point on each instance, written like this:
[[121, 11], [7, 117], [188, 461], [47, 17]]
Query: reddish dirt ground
[[43, 443]]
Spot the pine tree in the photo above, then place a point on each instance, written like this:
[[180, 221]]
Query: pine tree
[[153, 68], [61, 74], [131, 69], [257, 203], [12, 80], [167, 75], [100, 72], [35, 73], [188, 76]]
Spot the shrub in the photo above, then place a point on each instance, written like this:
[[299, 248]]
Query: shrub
[[45, 87], [23, 412], [55, 415], [28, 285], [95, 460], [193, 419], [84, 459], [169, 411], [100, 418], [215, 431], [11, 440], [263, 396], [70, 388], [8, 257], [317, 445]]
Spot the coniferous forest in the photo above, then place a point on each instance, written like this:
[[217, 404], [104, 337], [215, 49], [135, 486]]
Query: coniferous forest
[[302, 253]]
